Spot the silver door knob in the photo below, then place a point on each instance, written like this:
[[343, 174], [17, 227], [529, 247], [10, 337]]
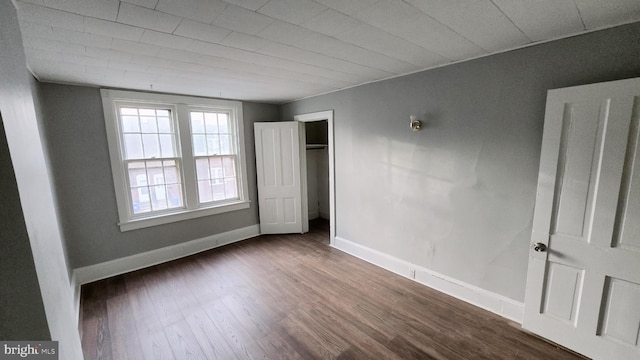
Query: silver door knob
[[539, 247]]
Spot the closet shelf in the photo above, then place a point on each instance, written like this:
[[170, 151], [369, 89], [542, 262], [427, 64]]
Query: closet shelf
[[316, 146]]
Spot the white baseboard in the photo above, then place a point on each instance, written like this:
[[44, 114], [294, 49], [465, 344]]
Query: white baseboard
[[91, 273], [498, 304]]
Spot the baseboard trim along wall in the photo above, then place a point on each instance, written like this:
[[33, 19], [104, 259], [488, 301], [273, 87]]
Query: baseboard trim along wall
[[498, 304], [91, 273]]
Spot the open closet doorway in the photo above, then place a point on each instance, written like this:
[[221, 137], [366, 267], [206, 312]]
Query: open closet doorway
[[317, 168]]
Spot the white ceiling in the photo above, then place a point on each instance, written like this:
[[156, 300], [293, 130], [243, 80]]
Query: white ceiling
[[281, 50]]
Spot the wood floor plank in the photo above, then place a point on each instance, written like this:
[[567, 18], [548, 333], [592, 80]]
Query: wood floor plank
[[183, 342], [289, 297], [122, 328], [154, 344], [96, 339], [208, 336]]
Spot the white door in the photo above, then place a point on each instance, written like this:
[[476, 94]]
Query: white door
[[279, 178], [583, 282]]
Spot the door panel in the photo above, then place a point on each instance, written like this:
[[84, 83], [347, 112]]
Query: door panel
[[582, 292], [621, 320], [278, 173], [561, 295]]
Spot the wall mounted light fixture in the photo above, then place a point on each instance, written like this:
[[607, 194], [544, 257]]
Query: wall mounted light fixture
[[414, 123]]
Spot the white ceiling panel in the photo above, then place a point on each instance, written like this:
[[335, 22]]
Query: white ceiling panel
[[199, 31], [102, 9], [244, 41], [286, 33], [266, 60], [327, 62], [112, 29], [356, 54], [543, 19], [153, 61], [281, 50], [147, 18], [292, 11], [347, 7], [252, 5], [65, 58], [55, 46], [406, 22], [122, 65], [80, 38], [65, 36], [200, 10], [166, 40], [599, 13], [240, 19], [133, 47], [48, 16], [151, 4], [331, 22], [108, 54], [480, 21], [395, 47]]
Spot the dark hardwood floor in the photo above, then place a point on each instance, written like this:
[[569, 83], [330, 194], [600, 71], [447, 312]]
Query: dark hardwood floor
[[289, 297]]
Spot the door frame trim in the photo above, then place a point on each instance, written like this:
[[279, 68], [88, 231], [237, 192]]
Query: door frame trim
[[320, 116]]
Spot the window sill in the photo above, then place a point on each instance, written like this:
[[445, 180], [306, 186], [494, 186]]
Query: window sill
[[182, 215]]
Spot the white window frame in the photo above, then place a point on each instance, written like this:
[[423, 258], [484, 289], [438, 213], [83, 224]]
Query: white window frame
[[182, 105]]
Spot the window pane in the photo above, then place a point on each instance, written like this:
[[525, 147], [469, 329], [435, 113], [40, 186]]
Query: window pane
[[151, 145], [158, 197], [215, 165], [202, 169], [128, 111], [225, 144], [132, 146], [153, 169], [140, 200], [218, 191], [197, 123], [164, 125], [229, 166], [223, 123], [204, 191], [167, 146], [158, 178], [137, 174], [130, 124], [171, 172], [230, 188], [162, 112], [174, 196], [213, 145], [148, 124], [211, 122], [147, 112], [199, 145]]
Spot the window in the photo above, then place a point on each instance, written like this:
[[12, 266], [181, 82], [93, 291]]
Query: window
[[174, 157]]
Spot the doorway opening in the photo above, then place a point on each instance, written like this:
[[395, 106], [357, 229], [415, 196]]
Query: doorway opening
[[317, 168], [317, 165]]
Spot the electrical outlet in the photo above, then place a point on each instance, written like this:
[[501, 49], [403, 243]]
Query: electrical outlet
[[412, 273]]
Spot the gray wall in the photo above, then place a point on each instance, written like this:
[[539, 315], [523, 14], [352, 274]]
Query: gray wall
[[75, 130], [458, 197], [38, 215]]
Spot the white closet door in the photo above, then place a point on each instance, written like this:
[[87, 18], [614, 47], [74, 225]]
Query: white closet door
[[583, 283], [279, 177]]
